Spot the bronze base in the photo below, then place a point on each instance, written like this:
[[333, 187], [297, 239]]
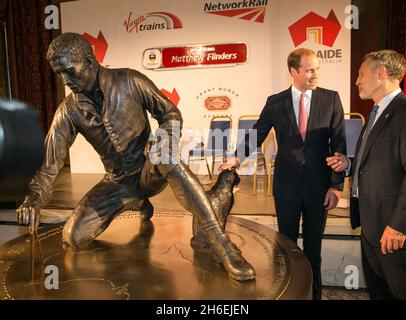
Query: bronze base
[[154, 260]]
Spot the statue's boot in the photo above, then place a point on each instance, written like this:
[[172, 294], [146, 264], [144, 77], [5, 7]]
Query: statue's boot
[[192, 197], [146, 211]]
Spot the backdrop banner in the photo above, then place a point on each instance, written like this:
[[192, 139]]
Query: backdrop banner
[[211, 58]]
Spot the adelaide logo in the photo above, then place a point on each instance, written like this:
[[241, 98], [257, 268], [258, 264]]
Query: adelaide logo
[[321, 31], [314, 27]]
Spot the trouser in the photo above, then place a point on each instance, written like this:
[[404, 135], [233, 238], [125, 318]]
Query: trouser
[[107, 199], [385, 275], [314, 220], [98, 208]]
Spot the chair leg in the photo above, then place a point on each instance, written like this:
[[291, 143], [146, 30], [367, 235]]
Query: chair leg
[[208, 169], [268, 193], [254, 187], [265, 168], [212, 166]]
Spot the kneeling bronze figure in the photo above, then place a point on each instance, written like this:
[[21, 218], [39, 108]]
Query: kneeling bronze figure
[[109, 108]]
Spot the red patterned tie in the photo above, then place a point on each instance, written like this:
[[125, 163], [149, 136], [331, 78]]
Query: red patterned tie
[[302, 117]]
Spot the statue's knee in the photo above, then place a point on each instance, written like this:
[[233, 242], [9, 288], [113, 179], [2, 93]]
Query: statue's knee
[[75, 238]]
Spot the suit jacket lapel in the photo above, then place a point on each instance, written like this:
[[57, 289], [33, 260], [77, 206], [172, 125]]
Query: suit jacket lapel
[[291, 112], [359, 143], [378, 126], [314, 107]]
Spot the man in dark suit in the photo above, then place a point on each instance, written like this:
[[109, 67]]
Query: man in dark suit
[[309, 125], [378, 192]]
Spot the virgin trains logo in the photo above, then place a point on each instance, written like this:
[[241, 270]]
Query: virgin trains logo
[[151, 21], [316, 28], [245, 10]]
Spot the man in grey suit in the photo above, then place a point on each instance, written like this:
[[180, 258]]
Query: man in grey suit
[[309, 126], [378, 192]]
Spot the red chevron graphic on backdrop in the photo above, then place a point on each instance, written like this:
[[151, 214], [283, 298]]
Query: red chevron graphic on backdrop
[[99, 44], [244, 14], [172, 96]]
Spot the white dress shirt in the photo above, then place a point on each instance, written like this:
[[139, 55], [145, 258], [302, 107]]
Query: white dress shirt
[[296, 93], [385, 101]]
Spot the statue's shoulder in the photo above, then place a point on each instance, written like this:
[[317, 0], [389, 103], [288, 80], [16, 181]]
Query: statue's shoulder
[[68, 104], [108, 75]]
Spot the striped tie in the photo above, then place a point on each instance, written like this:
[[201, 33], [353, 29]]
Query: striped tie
[[371, 120]]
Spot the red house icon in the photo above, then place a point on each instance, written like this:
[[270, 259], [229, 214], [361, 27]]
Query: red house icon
[[314, 27]]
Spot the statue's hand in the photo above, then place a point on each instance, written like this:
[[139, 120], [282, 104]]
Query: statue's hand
[[28, 214]]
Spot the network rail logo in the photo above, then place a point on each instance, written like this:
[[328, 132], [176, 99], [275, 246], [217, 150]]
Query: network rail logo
[[245, 10]]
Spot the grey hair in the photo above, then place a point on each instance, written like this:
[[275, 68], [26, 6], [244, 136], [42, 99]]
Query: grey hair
[[393, 61]]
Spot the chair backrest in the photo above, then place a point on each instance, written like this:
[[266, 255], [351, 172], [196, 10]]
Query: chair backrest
[[219, 134], [352, 131], [357, 115], [270, 146], [245, 124]]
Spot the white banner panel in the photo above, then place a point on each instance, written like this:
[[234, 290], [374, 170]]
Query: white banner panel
[[317, 25], [121, 31]]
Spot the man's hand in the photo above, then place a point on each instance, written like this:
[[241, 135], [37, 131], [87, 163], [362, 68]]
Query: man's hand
[[338, 162], [231, 163], [28, 214], [392, 240], [331, 199]]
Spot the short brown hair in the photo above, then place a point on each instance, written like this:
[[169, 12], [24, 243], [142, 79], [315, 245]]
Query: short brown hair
[[393, 61], [295, 57]]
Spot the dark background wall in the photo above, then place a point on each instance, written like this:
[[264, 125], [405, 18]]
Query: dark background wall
[[382, 25]]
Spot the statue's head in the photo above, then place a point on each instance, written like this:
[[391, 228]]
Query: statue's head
[[72, 57]]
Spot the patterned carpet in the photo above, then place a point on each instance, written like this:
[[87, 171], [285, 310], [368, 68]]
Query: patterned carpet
[[339, 293]]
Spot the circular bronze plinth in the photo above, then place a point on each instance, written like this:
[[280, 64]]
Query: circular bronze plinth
[[153, 260]]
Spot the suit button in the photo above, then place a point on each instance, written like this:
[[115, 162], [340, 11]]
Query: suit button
[[361, 172]]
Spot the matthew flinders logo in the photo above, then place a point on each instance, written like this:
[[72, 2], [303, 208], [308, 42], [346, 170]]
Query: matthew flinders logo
[[245, 10]]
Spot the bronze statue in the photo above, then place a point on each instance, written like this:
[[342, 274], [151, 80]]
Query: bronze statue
[[109, 108], [221, 198]]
